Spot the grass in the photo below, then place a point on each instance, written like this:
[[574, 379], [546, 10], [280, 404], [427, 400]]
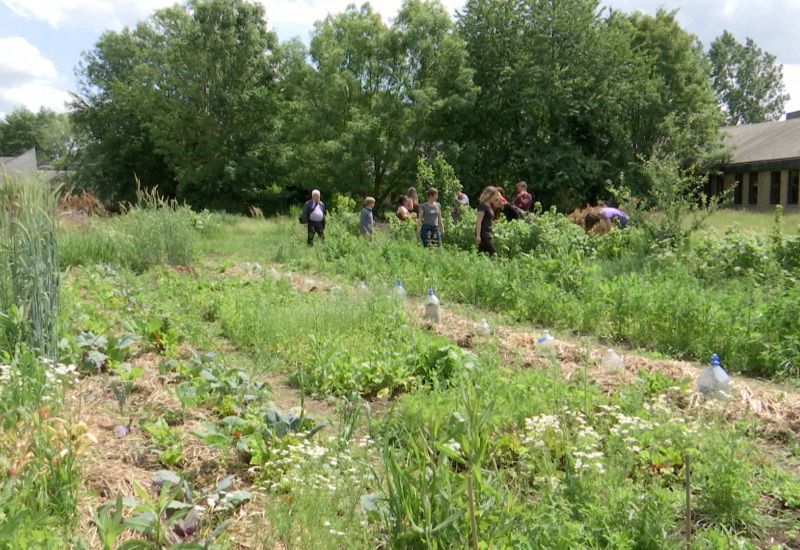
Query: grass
[[749, 222], [484, 447]]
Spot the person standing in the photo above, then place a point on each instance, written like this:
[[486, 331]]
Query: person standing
[[411, 193], [461, 201], [430, 226], [367, 219], [313, 217], [489, 200], [523, 199]]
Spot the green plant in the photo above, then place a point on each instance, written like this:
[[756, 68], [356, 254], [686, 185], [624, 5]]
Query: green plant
[[167, 443], [29, 274]]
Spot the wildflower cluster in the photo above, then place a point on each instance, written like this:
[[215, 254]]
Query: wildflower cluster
[[303, 465], [585, 445]]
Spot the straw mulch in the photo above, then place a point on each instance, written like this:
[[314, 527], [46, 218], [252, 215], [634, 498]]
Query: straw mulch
[[111, 467], [777, 408]]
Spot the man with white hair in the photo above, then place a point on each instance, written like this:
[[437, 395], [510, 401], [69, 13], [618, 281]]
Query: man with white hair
[[313, 217]]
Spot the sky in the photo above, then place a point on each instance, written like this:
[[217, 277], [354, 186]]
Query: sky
[[41, 41]]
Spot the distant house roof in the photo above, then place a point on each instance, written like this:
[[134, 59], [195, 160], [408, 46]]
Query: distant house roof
[[764, 146]]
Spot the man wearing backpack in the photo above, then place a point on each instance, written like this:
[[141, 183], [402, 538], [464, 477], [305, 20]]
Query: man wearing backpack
[[313, 217]]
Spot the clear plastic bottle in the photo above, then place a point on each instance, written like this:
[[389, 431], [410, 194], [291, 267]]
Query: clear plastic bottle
[[546, 343], [399, 291], [612, 362], [714, 382], [483, 328], [432, 311]]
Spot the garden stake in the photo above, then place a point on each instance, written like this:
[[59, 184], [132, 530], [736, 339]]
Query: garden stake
[[473, 526], [688, 485]]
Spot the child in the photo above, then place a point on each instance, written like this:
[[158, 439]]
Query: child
[[523, 199], [367, 220], [430, 227]]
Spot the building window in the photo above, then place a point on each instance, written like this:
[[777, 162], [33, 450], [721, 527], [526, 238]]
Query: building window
[[737, 190], [775, 189], [752, 191], [794, 187]]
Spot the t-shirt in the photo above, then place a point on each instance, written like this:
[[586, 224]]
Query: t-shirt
[[523, 201], [316, 214], [367, 221], [488, 217], [430, 214], [615, 214]]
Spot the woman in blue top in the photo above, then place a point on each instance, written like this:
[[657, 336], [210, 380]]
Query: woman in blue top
[[430, 227]]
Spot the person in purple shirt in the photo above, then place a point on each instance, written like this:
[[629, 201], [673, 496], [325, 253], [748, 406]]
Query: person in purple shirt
[[615, 215], [523, 199]]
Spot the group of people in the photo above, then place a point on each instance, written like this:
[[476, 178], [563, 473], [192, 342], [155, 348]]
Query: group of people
[[429, 220]]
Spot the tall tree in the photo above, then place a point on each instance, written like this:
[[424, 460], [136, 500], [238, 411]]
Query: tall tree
[[50, 133], [187, 100], [747, 81], [376, 97]]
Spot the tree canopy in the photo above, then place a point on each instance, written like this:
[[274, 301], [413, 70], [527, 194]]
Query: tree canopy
[[746, 80], [202, 101]]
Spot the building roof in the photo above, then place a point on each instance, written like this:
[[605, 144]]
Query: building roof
[[766, 143]]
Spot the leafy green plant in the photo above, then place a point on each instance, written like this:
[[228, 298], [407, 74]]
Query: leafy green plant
[[167, 443]]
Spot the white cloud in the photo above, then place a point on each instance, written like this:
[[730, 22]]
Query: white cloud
[[28, 78], [21, 61], [93, 14], [791, 81], [34, 96]]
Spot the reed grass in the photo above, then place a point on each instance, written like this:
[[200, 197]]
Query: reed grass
[[29, 273]]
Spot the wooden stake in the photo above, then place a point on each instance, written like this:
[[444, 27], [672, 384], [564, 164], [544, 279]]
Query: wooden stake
[[688, 487]]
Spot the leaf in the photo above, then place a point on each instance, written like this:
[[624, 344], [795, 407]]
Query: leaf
[[234, 421], [166, 475], [224, 483], [136, 544], [215, 439], [125, 341], [232, 500], [446, 523], [219, 530], [144, 524]]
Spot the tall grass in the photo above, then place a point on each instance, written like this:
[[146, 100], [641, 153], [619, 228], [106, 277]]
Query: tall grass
[[28, 265], [154, 231]]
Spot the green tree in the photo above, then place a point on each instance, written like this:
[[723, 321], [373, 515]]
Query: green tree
[[746, 80], [50, 133], [185, 101], [671, 106], [376, 97], [552, 84]]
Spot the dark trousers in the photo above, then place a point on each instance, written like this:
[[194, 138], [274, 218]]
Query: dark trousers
[[315, 227], [487, 245]]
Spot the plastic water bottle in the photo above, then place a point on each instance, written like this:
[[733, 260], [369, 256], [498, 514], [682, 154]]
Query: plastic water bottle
[[714, 382], [275, 274], [611, 362], [483, 328], [362, 286], [399, 291], [546, 343], [432, 312]]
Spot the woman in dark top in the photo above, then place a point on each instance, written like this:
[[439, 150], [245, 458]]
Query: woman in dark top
[[490, 199]]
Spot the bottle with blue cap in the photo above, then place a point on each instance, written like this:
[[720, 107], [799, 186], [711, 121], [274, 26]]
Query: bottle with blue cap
[[399, 291], [714, 382], [546, 343], [432, 312]]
